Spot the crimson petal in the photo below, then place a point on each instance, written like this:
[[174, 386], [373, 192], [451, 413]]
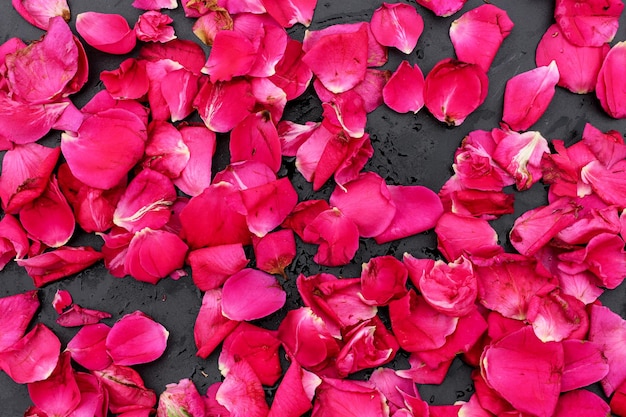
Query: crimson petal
[[345, 398], [126, 390], [275, 251], [196, 175], [77, 316]]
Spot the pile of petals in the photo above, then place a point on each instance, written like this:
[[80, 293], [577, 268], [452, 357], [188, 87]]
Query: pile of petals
[[133, 169]]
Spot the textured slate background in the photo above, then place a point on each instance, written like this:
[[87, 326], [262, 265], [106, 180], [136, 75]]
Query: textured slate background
[[409, 149]]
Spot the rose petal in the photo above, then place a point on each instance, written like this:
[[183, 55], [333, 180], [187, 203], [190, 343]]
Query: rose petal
[[339, 397], [404, 92], [154, 5], [126, 390], [256, 139], [337, 236], [292, 75], [241, 392], [77, 316], [275, 251], [581, 403], [294, 394], [288, 13], [610, 85], [135, 339], [442, 8], [153, 26], [250, 294], [196, 175], [397, 25], [520, 154], [39, 12], [224, 104], [166, 151], [592, 23], [59, 393], [181, 398], [383, 279], [211, 267], [211, 326], [462, 235], [584, 364], [119, 39], [88, 347]]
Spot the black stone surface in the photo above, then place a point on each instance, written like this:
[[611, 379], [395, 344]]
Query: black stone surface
[[409, 149]]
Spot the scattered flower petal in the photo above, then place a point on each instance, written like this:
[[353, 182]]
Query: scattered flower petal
[[250, 294], [108, 33]]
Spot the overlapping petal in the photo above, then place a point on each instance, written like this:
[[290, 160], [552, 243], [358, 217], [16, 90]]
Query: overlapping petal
[[398, 25], [108, 33], [610, 85], [590, 23], [136, 338], [251, 294], [59, 263], [211, 326]]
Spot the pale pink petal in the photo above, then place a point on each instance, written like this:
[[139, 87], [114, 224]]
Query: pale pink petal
[[409, 201], [210, 24], [58, 394], [154, 254], [255, 345], [224, 104], [444, 97], [39, 12], [275, 251], [250, 294], [26, 171], [584, 364], [462, 235], [581, 403], [337, 236], [256, 139], [211, 327], [417, 325], [591, 23], [226, 226], [398, 25], [578, 65], [292, 74], [295, 393], [59, 263], [404, 92], [478, 34], [136, 338], [105, 147], [525, 371], [33, 357], [211, 267], [153, 26], [16, 312], [345, 398], [442, 8], [77, 316], [241, 392], [155, 4], [181, 398], [610, 86], [520, 154], [528, 95], [88, 347], [383, 279], [126, 390], [380, 211], [339, 60], [108, 33], [289, 12]]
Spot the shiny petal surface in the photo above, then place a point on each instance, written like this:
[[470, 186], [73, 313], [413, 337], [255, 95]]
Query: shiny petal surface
[[212, 266], [404, 92], [136, 338], [398, 25], [250, 294], [211, 327], [16, 312], [119, 39], [88, 347], [59, 263]]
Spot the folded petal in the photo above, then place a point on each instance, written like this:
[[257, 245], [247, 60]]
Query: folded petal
[[454, 89], [39, 12], [404, 92], [196, 175], [288, 13], [57, 395], [108, 33], [180, 399], [241, 393], [23, 123], [88, 347], [520, 154], [152, 26], [528, 95], [256, 139], [591, 23], [211, 326], [398, 25], [345, 398], [136, 338], [126, 389], [557, 316], [33, 357], [275, 251], [232, 55], [608, 330], [610, 84], [77, 316], [383, 279], [337, 236], [251, 294], [295, 392], [166, 151], [154, 254], [16, 312], [584, 364], [478, 34], [14, 243], [59, 263], [224, 104], [292, 75], [525, 371]]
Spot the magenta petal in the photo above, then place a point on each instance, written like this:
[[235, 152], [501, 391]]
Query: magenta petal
[[292, 74], [337, 236], [578, 65], [478, 34], [267, 206], [581, 403], [557, 316], [338, 397], [62, 299], [88, 347], [211, 327], [232, 55], [129, 81], [224, 104], [250, 295], [33, 357], [409, 201], [256, 139], [155, 4], [528, 95], [525, 371], [108, 33], [166, 151], [454, 89], [14, 243], [608, 147], [397, 25], [347, 112], [49, 218], [23, 123], [610, 85], [295, 392], [135, 339], [339, 60], [39, 12], [241, 392], [380, 211], [179, 89], [209, 23], [77, 316], [584, 364], [146, 202], [608, 330], [421, 373], [126, 390], [182, 397], [275, 251], [462, 235], [153, 26], [16, 312], [59, 263], [392, 386], [608, 184], [211, 267], [442, 8], [289, 12], [383, 278], [404, 92], [255, 345], [591, 23], [520, 154], [196, 175], [107, 145], [57, 395]]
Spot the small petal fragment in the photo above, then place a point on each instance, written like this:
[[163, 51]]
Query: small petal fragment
[[443, 8], [528, 95], [250, 295], [135, 339], [108, 33], [398, 25], [59, 263], [77, 316]]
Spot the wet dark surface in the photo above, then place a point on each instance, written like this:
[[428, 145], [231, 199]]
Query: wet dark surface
[[409, 149]]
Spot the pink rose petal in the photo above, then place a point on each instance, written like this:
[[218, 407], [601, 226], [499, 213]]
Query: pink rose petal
[[584, 364], [404, 92], [581, 403], [520, 154], [591, 23], [608, 330], [108, 33], [78, 316], [610, 85], [337, 236], [275, 251], [59, 394], [295, 393], [16, 312], [463, 235], [135, 339], [398, 25], [337, 397], [250, 294], [383, 279], [211, 267], [292, 74], [241, 392], [289, 12], [256, 139], [211, 326], [39, 12], [126, 390], [201, 144], [182, 397], [154, 4], [210, 23], [442, 8], [88, 347], [224, 104], [153, 26]]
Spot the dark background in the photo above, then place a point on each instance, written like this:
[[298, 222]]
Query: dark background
[[409, 149]]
